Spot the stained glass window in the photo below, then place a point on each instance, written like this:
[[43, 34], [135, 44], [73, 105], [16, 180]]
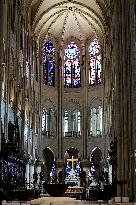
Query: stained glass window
[[76, 171], [96, 121], [48, 63], [72, 76], [53, 171], [78, 168], [95, 63]]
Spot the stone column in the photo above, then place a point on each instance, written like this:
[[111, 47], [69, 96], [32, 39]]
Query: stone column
[[123, 53], [1, 54], [31, 171], [27, 175], [84, 85], [59, 124], [132, 102], [120, 107], [39, 65], [38, 169]]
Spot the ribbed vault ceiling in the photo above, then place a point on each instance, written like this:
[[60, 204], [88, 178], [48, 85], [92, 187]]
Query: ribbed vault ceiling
[[62, 19]]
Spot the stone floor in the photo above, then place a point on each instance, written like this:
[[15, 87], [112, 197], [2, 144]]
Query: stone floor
[[52, 201], [61, 201]]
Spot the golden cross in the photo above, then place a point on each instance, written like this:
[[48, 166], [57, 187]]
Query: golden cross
[[72, 160]]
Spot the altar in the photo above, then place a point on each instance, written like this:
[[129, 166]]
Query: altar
[[72, 179], [72, 174]]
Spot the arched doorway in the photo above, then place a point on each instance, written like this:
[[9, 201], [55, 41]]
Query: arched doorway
[[96, 165], [49, 166]]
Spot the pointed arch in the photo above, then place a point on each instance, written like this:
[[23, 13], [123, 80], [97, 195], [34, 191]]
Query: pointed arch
[[96, 163]]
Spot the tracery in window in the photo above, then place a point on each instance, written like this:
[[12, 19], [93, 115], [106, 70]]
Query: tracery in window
[[72, 123], [48, 122], [95, 63], [48, 63], [72, 72], [96, 121]]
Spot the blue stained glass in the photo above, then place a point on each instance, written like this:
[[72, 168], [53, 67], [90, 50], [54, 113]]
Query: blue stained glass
[[78, 168], [72, 51], [53, 170], [95, 63], [49, 63], [94, 48], [72, 70], [68, 168]]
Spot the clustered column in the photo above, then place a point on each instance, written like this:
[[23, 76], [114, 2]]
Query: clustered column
[[1, 53]]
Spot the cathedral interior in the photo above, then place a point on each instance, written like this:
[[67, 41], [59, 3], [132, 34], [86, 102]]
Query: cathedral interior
[[68, 94]]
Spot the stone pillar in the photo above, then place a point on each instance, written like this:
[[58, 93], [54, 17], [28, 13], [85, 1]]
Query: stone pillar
[[27, 176], [132, 102], [31, 171], [121, 110], [59, 122], [123, 55], [84, 133], [38, 169], [39, 65], [1, 54]]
